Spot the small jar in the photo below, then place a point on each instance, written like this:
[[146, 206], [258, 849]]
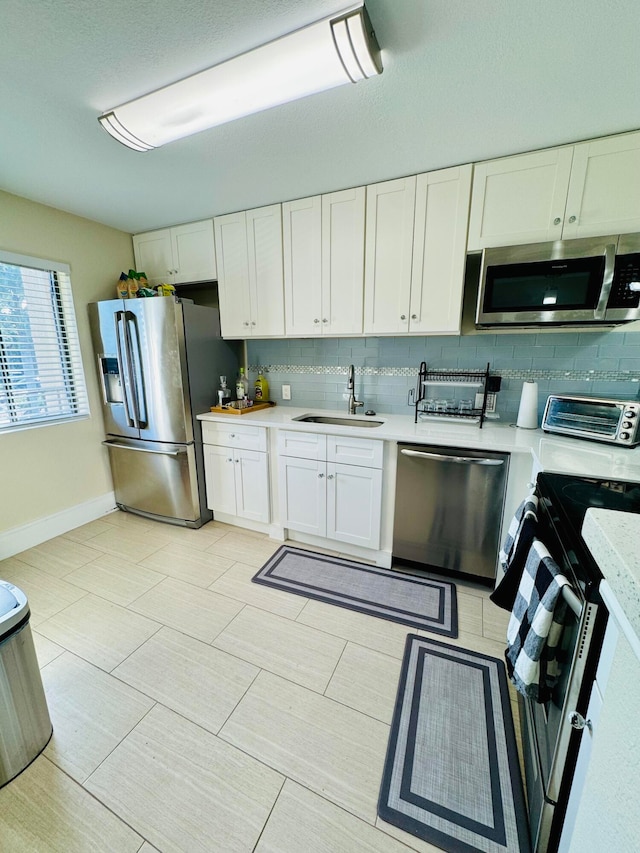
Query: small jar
[[465, 407], [452, 407], [429, 405], [440, 406]]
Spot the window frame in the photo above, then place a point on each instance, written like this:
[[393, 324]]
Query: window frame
[[67, 357]]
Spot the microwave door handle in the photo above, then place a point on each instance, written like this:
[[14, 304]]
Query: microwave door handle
[[607, 281]]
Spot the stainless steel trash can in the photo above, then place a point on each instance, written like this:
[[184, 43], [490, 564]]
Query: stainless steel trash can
[[25, 726]]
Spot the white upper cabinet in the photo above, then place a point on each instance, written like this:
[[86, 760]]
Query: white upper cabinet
[[324, 263], [586, 190], [343, 261], [415, 253], [250, 272], [388, 251], [439, 250], [302, 241], [179, 255], [519, 199], [604, 192]]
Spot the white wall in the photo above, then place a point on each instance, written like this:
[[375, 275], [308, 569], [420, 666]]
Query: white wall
[[51, 469]]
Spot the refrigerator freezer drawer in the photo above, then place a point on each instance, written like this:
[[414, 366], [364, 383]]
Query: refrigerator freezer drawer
[[156, 478]]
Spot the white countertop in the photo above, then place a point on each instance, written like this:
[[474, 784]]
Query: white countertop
[[613, 539], [551, 452]]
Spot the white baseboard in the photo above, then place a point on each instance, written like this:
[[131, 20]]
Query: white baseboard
[[29, 535]]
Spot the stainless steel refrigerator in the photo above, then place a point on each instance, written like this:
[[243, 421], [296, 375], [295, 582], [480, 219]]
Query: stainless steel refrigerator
[[159, 362]]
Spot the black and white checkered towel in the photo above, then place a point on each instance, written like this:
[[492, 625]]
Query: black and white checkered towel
[[536, 625], [515, 550]]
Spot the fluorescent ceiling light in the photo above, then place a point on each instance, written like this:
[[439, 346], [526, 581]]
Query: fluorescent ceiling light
[[336, 50]]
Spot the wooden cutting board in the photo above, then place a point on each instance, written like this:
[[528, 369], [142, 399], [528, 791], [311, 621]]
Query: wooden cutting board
[[231, 411]]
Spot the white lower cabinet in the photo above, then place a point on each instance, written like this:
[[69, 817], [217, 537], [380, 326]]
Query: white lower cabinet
[[322, 497], [237, 476]]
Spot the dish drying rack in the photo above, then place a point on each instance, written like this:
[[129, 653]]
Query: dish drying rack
[[472, 379]]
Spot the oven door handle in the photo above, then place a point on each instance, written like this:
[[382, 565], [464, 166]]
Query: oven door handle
[[460, 460], [572, 600]]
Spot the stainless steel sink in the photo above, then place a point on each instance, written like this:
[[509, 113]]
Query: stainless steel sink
[[334, 421]]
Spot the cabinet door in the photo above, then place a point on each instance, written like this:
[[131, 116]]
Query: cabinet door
[[252, 485], [266, 278], [343, 262], [388, 247], [439, 250], [154, 257], [219, 471], [519, 199], [604, 191], [302, 484], [233, 274], [194, 254], [354, 500], [302, 240]]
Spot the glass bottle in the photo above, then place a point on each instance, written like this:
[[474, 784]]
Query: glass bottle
[[224, 392], [261, 388], [242, 386]]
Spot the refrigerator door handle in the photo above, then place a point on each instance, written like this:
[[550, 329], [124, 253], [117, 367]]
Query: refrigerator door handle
[[137, 376], [144, 449], [125, 370]]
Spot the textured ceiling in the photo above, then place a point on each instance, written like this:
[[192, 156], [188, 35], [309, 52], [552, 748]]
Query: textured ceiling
[[462, 81]]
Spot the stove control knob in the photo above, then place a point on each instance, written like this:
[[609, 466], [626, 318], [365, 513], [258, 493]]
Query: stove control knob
[[625, 435], [626, 424], [630, 414]]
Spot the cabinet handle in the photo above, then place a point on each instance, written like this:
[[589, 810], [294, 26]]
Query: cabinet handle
[[572, 219], [557, 220], [403, 316], [229, 459], [253, 322], [233, 435], [324, 320], [316, 320], [329, 476], [246, 323], [414, 316], [321, 476]]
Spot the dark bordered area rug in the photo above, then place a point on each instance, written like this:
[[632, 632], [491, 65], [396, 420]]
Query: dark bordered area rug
[[409, 599], [451, 775]]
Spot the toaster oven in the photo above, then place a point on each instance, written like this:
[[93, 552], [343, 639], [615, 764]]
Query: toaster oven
[[594, 418]]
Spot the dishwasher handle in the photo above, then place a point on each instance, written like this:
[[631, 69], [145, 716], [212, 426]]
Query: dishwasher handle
[[459, 460]]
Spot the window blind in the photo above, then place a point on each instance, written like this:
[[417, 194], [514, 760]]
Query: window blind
[[41, 375]]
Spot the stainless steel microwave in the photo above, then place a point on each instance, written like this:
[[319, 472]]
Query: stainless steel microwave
[[594, 418], [565, 283]]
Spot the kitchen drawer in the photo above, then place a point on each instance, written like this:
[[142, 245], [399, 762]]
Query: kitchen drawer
[[354, 451], [242, 436], [302, 445]]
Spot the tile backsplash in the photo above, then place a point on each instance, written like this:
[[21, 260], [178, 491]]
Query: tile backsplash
[[603, 363]]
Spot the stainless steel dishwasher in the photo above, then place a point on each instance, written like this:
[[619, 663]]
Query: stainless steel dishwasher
[[449, 504]]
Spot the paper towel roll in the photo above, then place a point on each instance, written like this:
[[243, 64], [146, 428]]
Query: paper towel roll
[[528, 411]]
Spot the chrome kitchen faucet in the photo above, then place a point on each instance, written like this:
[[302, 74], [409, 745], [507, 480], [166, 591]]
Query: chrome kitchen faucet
[[353, 403]]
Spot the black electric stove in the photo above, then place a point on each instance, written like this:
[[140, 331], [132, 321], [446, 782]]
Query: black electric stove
[[550, 743], [567, 498]]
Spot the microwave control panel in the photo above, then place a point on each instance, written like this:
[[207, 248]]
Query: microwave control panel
[[625, 289]]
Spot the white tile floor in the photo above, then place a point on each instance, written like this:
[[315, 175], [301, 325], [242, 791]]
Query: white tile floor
[[196, 711]]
